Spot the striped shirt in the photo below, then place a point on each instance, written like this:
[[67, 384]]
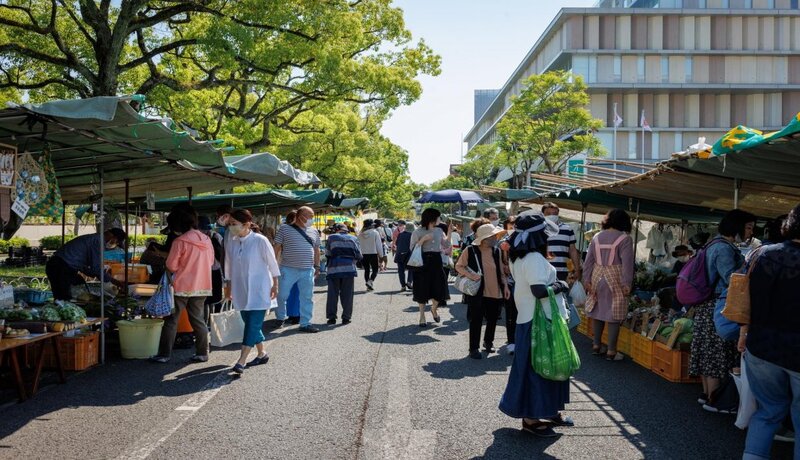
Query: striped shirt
[[558, 246], [342, 251], [296, 252]]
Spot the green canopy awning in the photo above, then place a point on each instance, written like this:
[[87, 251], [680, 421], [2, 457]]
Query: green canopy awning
[[258, 201]]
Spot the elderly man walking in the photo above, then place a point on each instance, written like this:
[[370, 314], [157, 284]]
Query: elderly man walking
[[297, 250], [342, 251]]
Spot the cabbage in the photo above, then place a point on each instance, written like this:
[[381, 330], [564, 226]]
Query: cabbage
[[665, 332], [49, 314], [685, 337], [71, 312], [687, 325]]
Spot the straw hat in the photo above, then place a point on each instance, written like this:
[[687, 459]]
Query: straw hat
[[485, 231]]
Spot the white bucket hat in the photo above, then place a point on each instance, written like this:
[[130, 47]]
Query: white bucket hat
[[485, 231]]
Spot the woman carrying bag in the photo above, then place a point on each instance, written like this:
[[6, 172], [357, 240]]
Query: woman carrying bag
[[529, 396], [253, 273], [481, 261], [429, 281]]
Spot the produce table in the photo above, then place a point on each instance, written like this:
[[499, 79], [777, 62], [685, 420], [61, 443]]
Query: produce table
[[13, 345]]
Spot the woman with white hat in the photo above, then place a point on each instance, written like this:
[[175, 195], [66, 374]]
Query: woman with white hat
[[481, 262], [529, 396]]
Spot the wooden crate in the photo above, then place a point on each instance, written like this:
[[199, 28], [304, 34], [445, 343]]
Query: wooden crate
[[623, 341], [672, 365], [585, 327], [77, 353], [641, 350]]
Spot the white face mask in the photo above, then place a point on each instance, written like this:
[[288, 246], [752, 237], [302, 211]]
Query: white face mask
[[236, 229], [309, 223], [496, 222], [111, 246], [553, 218]]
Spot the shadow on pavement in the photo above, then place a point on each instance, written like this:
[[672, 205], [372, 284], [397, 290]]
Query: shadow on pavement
[[403, 335], [508, 443], [456, 369]]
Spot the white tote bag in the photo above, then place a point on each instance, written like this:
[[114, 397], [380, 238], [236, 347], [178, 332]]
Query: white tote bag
[[227, 326], [747, 401], [578, 294], [415, 260]]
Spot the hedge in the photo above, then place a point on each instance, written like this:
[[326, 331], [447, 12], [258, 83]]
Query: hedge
[[15, 242], [54, 242]]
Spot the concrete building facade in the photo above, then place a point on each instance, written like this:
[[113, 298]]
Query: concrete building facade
[[695, 67]]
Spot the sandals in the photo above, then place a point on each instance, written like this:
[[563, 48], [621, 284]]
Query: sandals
[[541, 429], [560, 420], [599, 351]]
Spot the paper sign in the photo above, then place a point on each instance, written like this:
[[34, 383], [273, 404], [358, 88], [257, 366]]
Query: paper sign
[[20, 208], [8, 165]]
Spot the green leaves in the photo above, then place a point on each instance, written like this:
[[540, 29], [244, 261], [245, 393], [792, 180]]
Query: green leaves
[[547, 124]]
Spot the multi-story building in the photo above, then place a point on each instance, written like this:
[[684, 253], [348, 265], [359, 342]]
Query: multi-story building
[[695, 67]]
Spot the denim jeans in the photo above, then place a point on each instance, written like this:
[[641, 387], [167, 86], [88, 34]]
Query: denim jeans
[[777, 391], [304, 277], [403, 273]]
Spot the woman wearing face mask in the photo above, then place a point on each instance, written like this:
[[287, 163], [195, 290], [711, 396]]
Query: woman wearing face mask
[[608, 276], [481, 261], [190, 260], [253, 271], [714, 356], [429, 281]]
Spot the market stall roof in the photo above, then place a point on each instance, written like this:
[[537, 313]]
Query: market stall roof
[[109, 133], [507, 194], [258, 201], [353, 203]]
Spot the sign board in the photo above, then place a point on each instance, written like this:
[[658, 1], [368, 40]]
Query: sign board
[[654, 329], [574, 168], [8, 166], [20, 208]]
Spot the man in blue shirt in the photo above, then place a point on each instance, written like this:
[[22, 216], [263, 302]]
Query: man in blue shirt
[[80, 256], [342, 251]]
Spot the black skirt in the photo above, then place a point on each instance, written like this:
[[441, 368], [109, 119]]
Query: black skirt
[[429, 280]]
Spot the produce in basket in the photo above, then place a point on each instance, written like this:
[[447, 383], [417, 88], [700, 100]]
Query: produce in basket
[[12, 333], [71, 312], [49, 314], [16, 314], [685, 337], [687, 325], [666, 331]]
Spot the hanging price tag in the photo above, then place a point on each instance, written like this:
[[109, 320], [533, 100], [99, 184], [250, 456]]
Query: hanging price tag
[[20, 208]]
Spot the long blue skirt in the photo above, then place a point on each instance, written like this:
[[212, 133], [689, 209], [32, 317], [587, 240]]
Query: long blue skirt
[[528, 394]]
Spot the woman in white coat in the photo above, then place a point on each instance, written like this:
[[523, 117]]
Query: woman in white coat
[[253, 272]]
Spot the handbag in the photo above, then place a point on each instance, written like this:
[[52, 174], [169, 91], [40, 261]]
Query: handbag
[[447, 261], [747, 400], [574, 317], [227, 326], [737, 304], [466, 285], [578, 294], [553, 355], [415, 260], [163, 301]]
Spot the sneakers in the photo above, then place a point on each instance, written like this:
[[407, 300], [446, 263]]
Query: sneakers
[[403, 289], [258, 360], [510, 348], [369, 286], [159, 359], [332, 321], [238, 369], [309, 329], [200, 358], [703, 399], [345, 321], [784, 435], [488, 347], [719, 410], [475, 354]]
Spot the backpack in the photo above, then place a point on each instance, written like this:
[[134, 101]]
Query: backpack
[[693, 286]]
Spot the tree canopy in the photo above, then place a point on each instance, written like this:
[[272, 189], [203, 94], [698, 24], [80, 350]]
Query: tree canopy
[[546, 125], [251, 72]]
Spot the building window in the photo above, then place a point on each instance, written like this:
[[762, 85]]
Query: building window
[[617, 68], [640, 75], [664, 69], [688, 63]]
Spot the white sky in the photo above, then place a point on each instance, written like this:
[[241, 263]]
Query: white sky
[[481, 42]]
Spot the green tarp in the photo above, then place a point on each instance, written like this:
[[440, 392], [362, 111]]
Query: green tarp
[[258, 201]]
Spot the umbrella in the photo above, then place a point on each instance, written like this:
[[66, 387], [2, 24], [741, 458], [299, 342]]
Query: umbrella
[[451, 196]]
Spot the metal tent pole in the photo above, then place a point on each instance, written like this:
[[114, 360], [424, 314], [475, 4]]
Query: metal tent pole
[[127, 231], [101, 215], [63, 222], [737, 184]]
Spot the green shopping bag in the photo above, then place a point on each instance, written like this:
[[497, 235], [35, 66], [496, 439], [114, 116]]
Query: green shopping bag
[[553, 355]]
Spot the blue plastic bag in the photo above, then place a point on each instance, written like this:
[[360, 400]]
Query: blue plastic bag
[[163, 301]]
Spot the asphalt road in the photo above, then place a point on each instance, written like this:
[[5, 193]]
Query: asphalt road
[[380, 387]]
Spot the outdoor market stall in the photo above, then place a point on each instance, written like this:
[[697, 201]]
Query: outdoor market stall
[[91, 150]]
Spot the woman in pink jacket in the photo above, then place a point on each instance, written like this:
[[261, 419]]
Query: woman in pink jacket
[[189, 262]]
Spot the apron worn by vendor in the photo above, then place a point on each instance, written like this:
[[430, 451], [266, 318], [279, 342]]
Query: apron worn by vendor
[[606, 270]]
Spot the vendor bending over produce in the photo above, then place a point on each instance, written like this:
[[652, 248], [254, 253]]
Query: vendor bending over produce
[[78, 259]]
